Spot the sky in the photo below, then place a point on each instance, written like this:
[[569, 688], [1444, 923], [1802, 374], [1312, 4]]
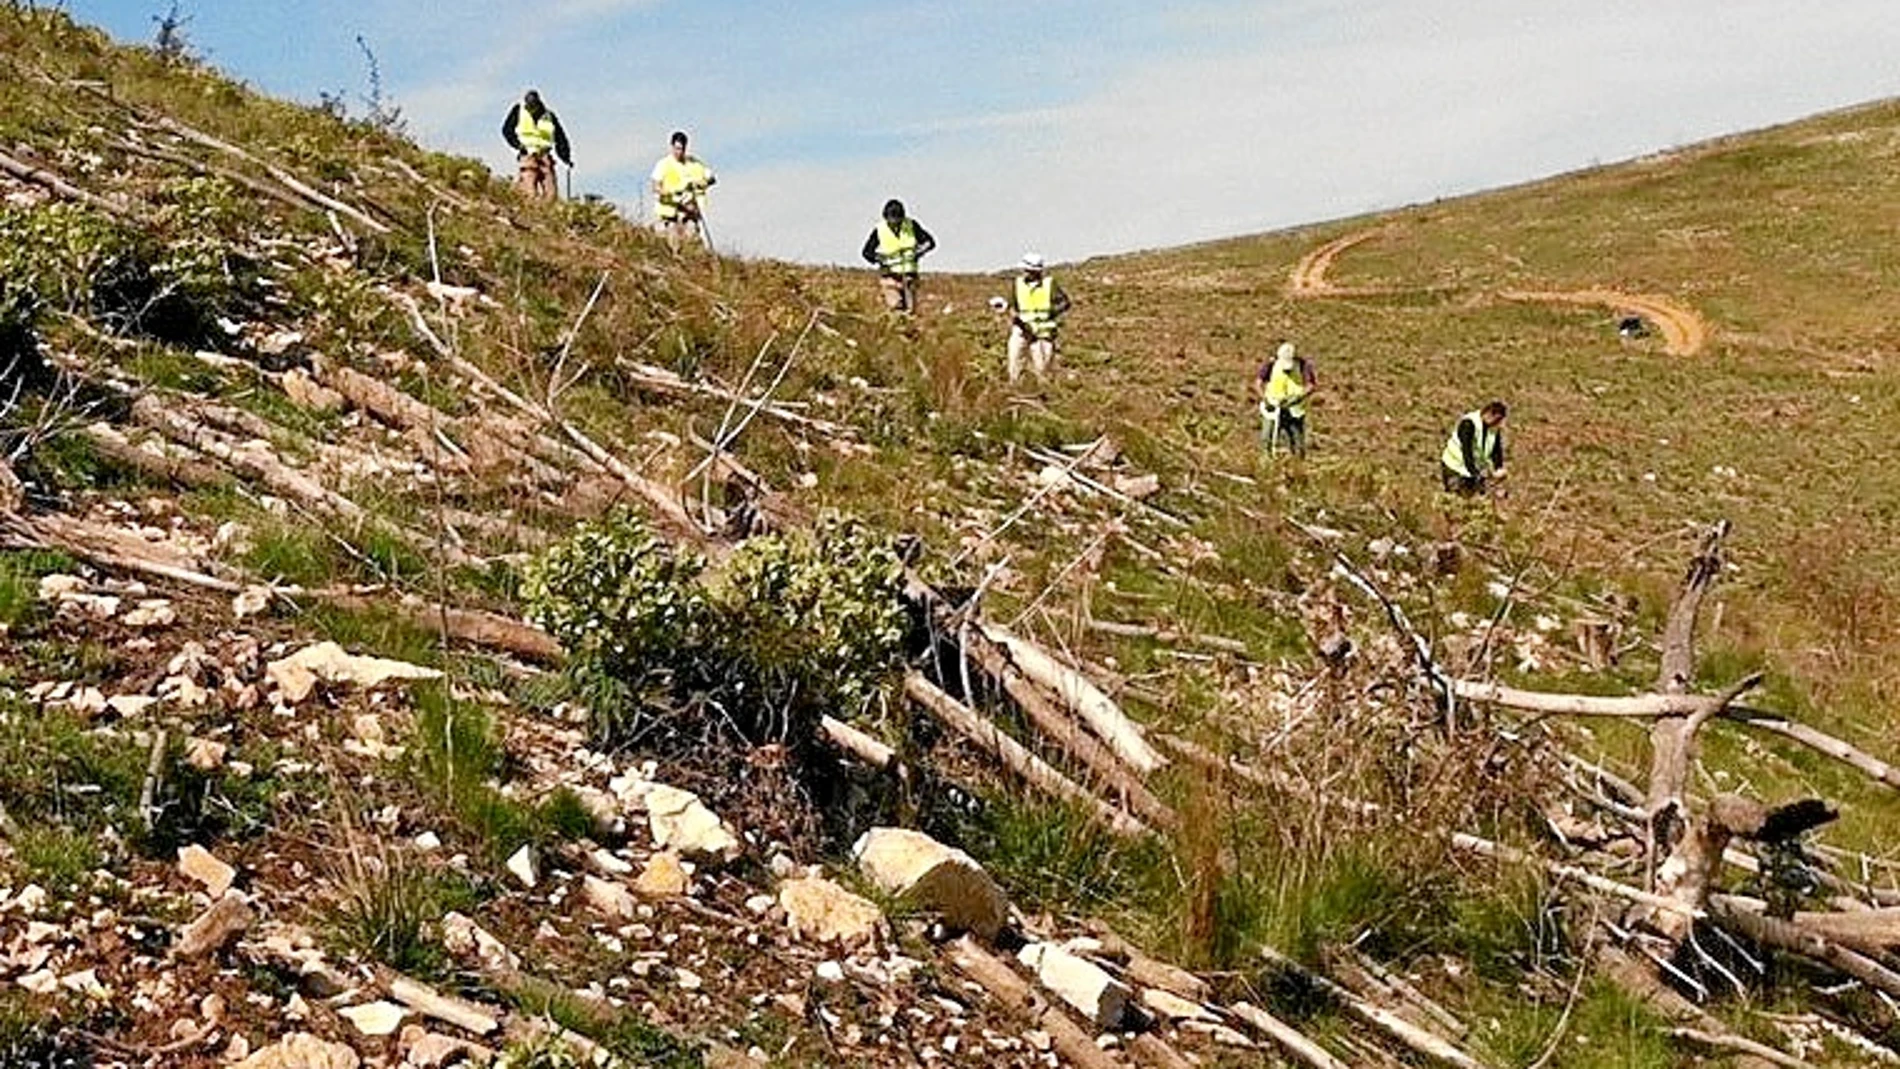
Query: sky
[[1072, 128]]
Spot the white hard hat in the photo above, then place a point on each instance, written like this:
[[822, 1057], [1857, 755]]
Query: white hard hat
[[1032, 261], [1285, 352]]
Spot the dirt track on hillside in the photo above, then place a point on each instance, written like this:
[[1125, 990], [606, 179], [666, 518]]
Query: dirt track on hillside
[[1683, 330]]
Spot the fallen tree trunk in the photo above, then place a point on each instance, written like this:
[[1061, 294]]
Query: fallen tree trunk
[[1418, 1040], [1791, 936], [53, 183], [1168, 635], [1037, 773], [1086, 700], [1001, 981], [1285, 1036], [290, 181]]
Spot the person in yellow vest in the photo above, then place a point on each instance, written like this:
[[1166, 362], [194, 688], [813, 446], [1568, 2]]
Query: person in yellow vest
[[1282, 387], [1474, 454], [534, 132], [680, 181], [896, 245], [1036, 306]]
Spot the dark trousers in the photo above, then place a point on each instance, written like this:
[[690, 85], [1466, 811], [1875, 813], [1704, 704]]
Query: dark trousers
[[1462, 485], [1291, 434]]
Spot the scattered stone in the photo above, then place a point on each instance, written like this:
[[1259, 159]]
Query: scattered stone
[[40, 982], [521, 864], [301, 1050], [238, 1049], [379, 1018], [427, 841], [31, 900], [687, 979], [151, 613], [914, 867], [610, 897], [130, 705], [462, 937], [830, 972], [432, 1050], [609, 862], [205, 755], [58, 587], [759, 904], [298, 674], [820, 910], [663, 876], [197, 863], [1079, 982], [1139, 487], [229, 917], [252, 601], [85, 982], [681, 823]]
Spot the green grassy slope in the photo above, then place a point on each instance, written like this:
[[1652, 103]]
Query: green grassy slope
[[1783, 241]]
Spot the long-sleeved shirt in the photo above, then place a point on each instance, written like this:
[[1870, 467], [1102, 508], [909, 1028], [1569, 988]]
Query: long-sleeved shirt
[[1468, 447], [508, 133], [925, 243]]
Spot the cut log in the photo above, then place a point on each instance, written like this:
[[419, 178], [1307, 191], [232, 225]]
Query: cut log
[[188, 471], [290, 181], [1787, 935], [46, 179], [262, 465], [1418, 1040], [1036, 772], [1285, 1036], [857, 743], [1001, 981], [428, 1002], [1672, 739], [1574, 874], [1075, 690], [1168, 635], [1741, 1044]]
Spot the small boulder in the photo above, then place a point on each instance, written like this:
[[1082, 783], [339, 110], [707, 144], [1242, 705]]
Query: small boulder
[[609, 897], [912, 866], [379, 1018], [229, 917], [521, 865], [681, 823], [663, 876], [298, 674], [197, 863], [301, 1050], [820, 910], [1079, 982]]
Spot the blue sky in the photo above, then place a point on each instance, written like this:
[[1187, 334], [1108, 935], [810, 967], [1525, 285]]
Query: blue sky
[[1072, 128]]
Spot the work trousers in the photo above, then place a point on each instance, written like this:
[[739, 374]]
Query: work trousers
[[1042, 351], [535, 177], [900, 292]]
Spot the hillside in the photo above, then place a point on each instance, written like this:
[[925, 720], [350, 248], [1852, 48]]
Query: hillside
[[657, 580]]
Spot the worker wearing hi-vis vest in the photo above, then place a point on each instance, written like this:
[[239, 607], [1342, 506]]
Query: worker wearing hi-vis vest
[[1474, 454], [535, 133], [1036, 306], [680, 181], [1282, 387], [896, 245]]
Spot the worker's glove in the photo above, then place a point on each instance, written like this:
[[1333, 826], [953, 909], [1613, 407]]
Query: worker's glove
[[1498, 474]]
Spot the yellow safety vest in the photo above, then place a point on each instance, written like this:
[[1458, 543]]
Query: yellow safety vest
[[897, 249], [1483, 439], [681, 185], [536, 135], [1287, 389], [1034, 301]]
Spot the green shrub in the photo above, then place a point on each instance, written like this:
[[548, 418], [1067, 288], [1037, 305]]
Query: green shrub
[[386, 911], [793, 626]]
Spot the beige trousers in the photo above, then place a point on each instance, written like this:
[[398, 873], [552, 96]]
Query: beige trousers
[[535, 177], [1042, 351], [900, 292]]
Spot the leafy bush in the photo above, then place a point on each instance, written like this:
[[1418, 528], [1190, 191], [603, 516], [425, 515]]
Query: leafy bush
[[793, 626]]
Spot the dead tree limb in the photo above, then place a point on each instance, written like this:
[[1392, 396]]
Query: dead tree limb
[[1787, 935], [1285, 1036], [1418, 1040], [1036, 772], [1084, 698], [53, 183], [995, 976], [1740, 1044], [1672, 739], [1168, 635], [290, 181]]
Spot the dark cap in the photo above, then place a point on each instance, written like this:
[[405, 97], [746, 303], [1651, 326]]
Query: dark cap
[[893, 209], [679, 137]]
